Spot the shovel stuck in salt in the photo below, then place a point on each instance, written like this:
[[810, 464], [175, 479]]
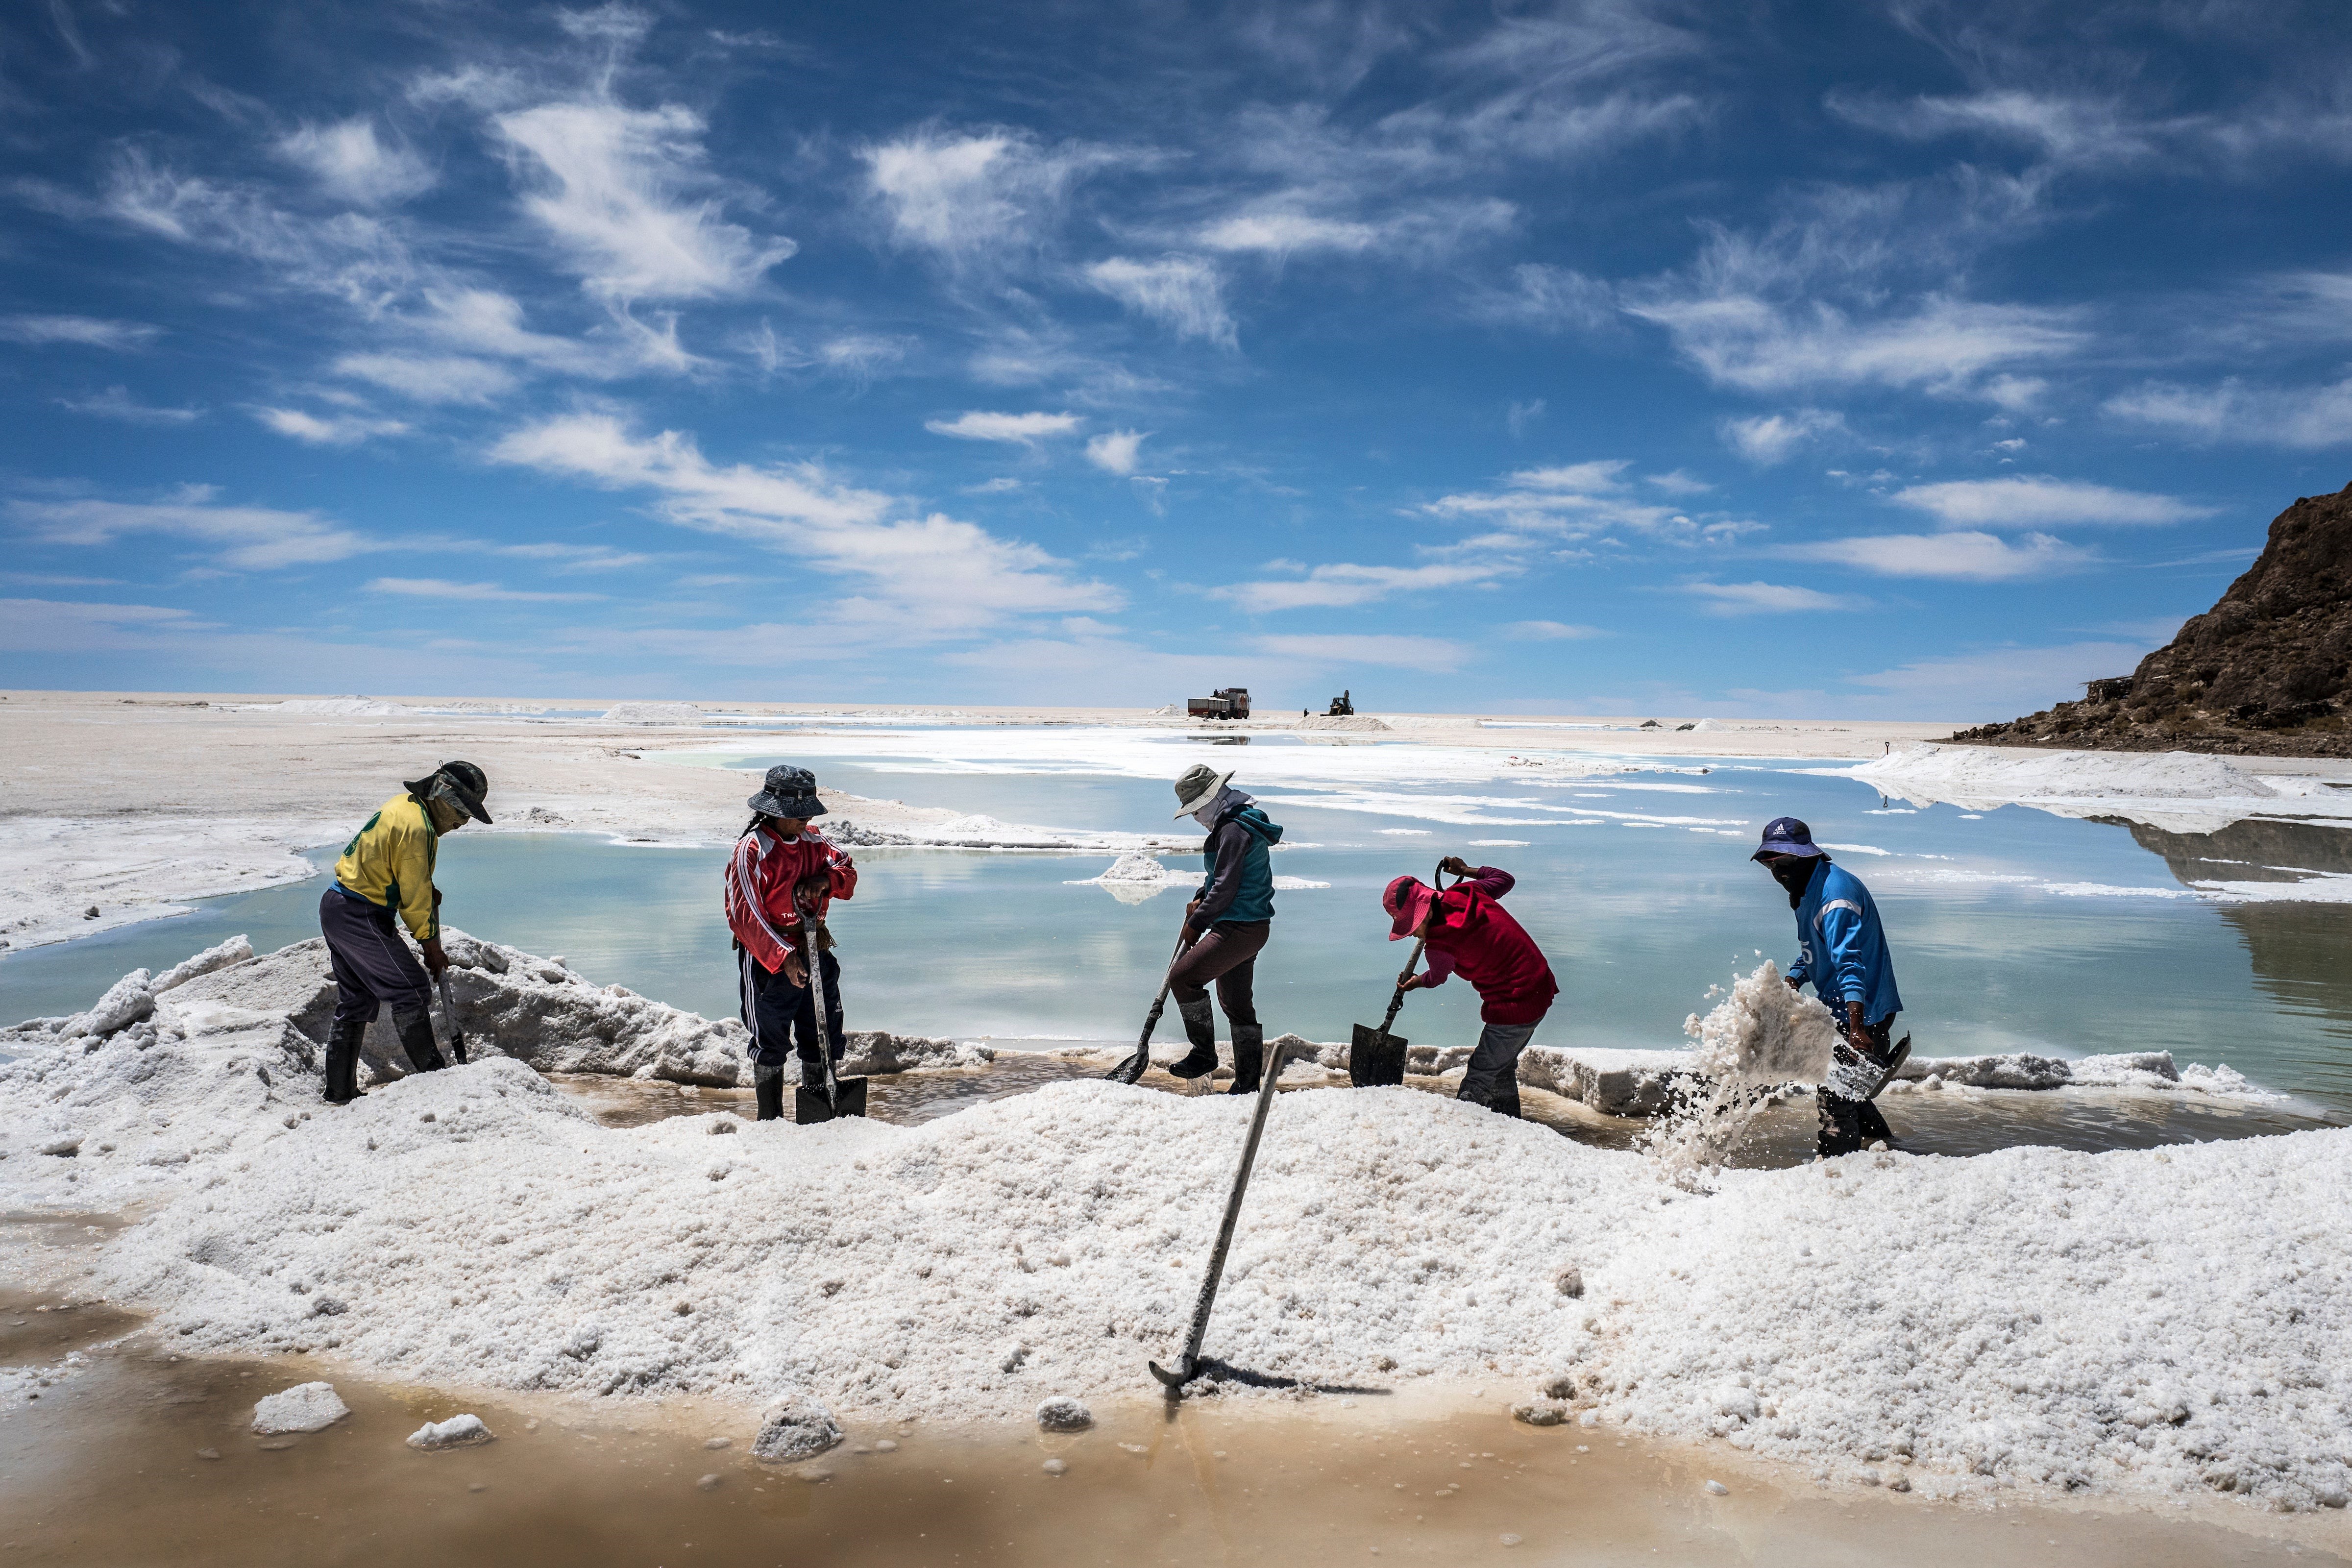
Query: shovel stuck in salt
[[841, 1096]]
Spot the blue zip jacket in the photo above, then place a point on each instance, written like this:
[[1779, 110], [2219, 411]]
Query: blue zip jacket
[[1240, 886], [1841, 947]]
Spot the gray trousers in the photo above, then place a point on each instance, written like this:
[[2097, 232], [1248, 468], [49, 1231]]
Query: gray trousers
[[371, 965], [1494, 1070]]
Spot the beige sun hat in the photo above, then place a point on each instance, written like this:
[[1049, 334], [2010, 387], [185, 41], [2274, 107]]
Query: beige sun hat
[[1198, 786]]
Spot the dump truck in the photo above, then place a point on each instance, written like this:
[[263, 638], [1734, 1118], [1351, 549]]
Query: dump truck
[[1226, 702]]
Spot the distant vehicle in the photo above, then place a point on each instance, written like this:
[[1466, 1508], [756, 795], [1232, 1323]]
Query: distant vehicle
[[1342, 706], [1229, 702]]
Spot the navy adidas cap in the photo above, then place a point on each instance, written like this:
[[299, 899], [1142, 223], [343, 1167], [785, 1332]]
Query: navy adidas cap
[[1786, 835]]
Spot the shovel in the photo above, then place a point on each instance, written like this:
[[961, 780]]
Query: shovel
[[1375, 1057], [450, 1011], [841, 1096], [1132, 1067]]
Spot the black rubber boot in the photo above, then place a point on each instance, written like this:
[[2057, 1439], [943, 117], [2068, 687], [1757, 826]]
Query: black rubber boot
[[1507, 1102], [344, 1061], [417, 1040], [1249, 1058], [768, 1090], [1841, 1130], [1201, 1028]]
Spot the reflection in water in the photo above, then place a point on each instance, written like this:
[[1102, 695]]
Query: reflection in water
[[2301, 953]]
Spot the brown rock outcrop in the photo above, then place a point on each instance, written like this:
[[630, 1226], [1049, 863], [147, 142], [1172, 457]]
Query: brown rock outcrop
[[2267, 670]]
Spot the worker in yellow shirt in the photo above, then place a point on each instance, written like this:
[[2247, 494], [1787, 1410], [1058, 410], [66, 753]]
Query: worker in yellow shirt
[[388, 866]]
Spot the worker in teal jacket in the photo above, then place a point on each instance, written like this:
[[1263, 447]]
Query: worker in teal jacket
[[1225, 925], [1842, 951]]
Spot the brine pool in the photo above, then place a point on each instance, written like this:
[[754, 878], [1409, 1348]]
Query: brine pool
[[2012, 930]]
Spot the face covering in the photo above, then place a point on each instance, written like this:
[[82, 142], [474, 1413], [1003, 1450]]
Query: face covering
[[1795, 873], [1226, 799]]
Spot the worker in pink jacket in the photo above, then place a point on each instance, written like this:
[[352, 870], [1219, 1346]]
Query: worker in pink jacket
[[1471, 935]]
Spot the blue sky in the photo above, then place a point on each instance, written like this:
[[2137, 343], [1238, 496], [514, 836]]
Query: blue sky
[[1857, 359]]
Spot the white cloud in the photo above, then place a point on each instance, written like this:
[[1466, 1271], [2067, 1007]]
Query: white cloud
[[962, 196], [1283, 233], [1769, 439], [1572, 500], [349, 162], [1583, 478], [1183, 293], [611, 185], [1549, 631], [440, 588], [925, 578], [431, 378], [1435, 655], [1550, 299], [116, 403], [1020, 430], [2076, 130], [247, 537], [2308, 419], [2023, 501], [61, 625], [1763, 598], [1342, 583], [1114, 452], [1520, 416], [1942, 346], [1957, 557], [88, 331], [335, 430]]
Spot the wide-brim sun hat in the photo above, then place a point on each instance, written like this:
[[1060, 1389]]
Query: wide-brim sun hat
[[466, 782], [1786, 835], [1197, 786], [1407, 901], [789, 792]]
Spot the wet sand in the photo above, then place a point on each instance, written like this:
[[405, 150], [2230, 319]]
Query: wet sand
[[144, 1457]]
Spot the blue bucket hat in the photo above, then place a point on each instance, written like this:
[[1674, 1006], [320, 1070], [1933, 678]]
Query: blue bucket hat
[[789, 792], [1786, 835]]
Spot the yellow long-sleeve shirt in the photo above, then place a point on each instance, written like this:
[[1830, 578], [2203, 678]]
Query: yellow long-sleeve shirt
[[389, 863]]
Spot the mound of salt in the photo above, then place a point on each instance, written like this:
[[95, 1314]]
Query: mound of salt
[[795, 1429], [459, 1432]]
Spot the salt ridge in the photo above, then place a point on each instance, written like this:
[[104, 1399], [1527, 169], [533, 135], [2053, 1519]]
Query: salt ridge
[[2153, 1322]]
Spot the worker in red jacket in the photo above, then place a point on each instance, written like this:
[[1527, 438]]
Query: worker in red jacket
[[1471, 935], [779, 881]]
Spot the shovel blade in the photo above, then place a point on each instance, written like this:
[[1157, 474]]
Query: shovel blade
[[1375, 1058], [810, 1107]]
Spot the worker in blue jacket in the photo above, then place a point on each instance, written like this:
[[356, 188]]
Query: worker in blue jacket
[[1841, 949], [1225, 925]]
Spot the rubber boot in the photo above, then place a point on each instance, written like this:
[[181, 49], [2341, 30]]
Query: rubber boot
[[1840, 1129], [344, 1061], [417, 1040], [1507, 1100], [768, 1090], [1201, 1028], [1249, 1058]]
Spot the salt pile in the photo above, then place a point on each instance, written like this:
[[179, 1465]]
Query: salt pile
[[459, 1432], [305, 1407], [2140, 1322]]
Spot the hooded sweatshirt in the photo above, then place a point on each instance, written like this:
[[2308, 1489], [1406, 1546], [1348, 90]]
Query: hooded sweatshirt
[[1240, 887]]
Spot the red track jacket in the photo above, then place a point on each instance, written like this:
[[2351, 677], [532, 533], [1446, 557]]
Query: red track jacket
[[760, 877]]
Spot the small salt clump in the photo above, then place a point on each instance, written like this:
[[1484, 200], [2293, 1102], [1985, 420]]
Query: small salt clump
[[1063, 1413], [458, 1431], [305, 1407], [1568, 1280], [1717, 1489], [1539, 1413], [795, 1429], [1056, 1467]]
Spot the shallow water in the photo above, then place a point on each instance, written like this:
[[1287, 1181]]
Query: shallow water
[[1637, 886], [145, 1458]]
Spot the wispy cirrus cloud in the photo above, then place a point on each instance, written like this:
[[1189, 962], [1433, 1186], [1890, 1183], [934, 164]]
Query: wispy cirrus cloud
[[2025, 501], [350, 161], [1183, 293], [445, 591], [1962, 557], [248, 537], [116, 403], [918, 577], [83, 332], [1768, 439], [1017, 429], [1115, 451], [329, 429], [1765, 598], [2304, 419], [1342, 583]]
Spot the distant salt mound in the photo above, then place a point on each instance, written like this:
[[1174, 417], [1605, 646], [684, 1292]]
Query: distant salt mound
[[1356, 722], [1980, 775], [366, 707], [1711, 726], [654, 713]]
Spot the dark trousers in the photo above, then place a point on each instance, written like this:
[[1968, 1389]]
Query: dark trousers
[[1848, 1124], [1493, 1073], [1228, 956], [780, 1013], [371, 965]]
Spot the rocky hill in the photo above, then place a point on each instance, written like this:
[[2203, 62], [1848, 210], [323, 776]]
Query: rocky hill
[[2264, 671]]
